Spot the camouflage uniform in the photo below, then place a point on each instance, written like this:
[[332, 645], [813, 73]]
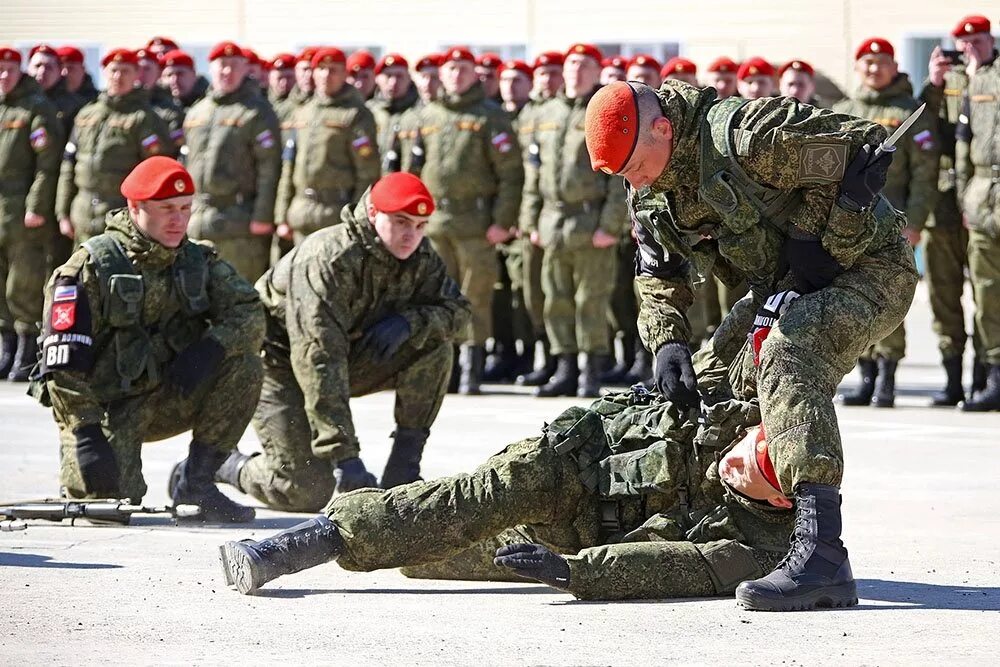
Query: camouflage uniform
[[198, 91], [531, 264], [692, 214], [235, 159], [110, 137], [67, 104], [283, 107], [388, 120], [911, 185], [320, 299], [171, 113], [116, 315], [329, 159], [87, 91]]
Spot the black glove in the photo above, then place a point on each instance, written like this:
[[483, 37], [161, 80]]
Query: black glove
[[863, 181], [351, 474], [675, 377], [534, 562], [809, 263], [194, 364], [98, 465], [385, 336]]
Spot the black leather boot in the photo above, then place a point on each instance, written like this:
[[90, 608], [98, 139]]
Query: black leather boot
[[952, 394], [816, 572], [403, 465], [589, 384], [885, 385], [248, 565], [24, 359], [543, 373], [8, 348], [616, 374], [979, 372], [500, 364], [195, 485], [988, 399], [642, 370], [471, 361], [863, 394], [351, 475], [564, 381], [456, 370]]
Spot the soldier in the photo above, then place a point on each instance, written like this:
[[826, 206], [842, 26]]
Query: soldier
[[680, 69], [723, 183], [150, 70], [330, 154], [576, 215], [644, 68], [360, 307], [427, 79], [755, 78], [255, 69], [885, 96], [109, 138], [548, 75], [78, 81], [30, 141], [281, 83], [44, 67], [147, 335], [361, 73], [465, 150], [515, 86], [946, 239], [722, 76], [488, 70], [303, 76], [235, 159], [797, 79], [397, 95], [185, 86], [613, 69], [976, 164]]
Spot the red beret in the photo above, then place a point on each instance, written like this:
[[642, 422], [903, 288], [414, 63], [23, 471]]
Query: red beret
[[70, 54], [430, 60], [618, 62], [163, 43], [755, 66], [489, 60], [9, 54], [43, 49], [158, 177], [401, 192], [588, 50], [549, 58], [307, 54], [177, 58], [723, 64], [970, 25], [251, 56], [225, 50], [678, 65], [326, 56], [800, 65], [360, 60], [391, 60], [875, 46], [518, 66], [645, 60], [146, 54], [119, 56], [282, 61], [612, 127], [458, 53]]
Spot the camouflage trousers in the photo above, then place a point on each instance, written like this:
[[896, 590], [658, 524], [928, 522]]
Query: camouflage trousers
[[891, 348], [472, 264], [984, 271], [450, 527], [217, 413], [288, 475], [946, 252], [23, 255], [578, 284], [623, 312], [531, 279], [712, 302]]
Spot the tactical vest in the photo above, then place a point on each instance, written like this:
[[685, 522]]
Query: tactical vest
[[143, 347]]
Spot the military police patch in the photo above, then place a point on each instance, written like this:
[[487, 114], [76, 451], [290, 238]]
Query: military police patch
[[822, 162], [67, 342]]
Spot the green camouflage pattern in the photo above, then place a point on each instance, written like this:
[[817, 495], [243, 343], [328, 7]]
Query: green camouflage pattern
[[389, 116]]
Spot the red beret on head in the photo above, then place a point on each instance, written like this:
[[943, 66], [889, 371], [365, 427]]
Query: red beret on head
[[9, 54], [970, 25], [518, 66], [755, 66], [549, 58], [724, 64], [874, 46], [326, 56], [645, 60], [678, 65], [618, 62], [360, 60], [70, 54], [225, 50], [612, 127], [146, 54], [282, 61], [430, 60], [119, 56], [162, 43], [588, 50], [251, 56], [44, 49], [158, 177], [391, 60], [800, 65], [401, 192], [489, 60], [306, 55], [458, 53], [177, 58]]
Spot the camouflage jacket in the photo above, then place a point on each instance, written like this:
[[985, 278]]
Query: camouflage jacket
[[329, 159], [790, 159], [283, 108], [463, 147], [388, 117], [911, 185], [67, 105], [110, 335], [171, 113], [30, 143], [198, 91], [977, 151], [324, 295], [944, 104], [87, 91]]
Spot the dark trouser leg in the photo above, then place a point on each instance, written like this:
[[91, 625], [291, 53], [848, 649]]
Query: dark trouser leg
[[946, 256]]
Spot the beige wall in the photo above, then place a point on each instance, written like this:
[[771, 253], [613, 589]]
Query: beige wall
[[822, 32]]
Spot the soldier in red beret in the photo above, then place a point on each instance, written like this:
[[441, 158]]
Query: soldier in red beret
[[796, 78], [150, 72], [548, 74], [361, 73], [161, 45], [45, 68], [139, 287], [515, 85], [426, 77], [488, 70], [722, 76], [681, 69], [644, 68], [255, 68], [75, 75], [303, 76], [185, 85], [397, 95], [756, 78], [281, 83], [613, 69]]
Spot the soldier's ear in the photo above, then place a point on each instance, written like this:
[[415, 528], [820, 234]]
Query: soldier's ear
[[662, 130], [371, 213]]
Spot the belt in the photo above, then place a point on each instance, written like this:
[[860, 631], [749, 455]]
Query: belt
[[328, 197], [462, 205], [990, 171]]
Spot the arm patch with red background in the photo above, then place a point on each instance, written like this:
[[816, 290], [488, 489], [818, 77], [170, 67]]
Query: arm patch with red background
[[67, 342]]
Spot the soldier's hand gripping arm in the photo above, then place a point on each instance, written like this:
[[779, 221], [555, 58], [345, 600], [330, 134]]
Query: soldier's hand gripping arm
[[439, 311]]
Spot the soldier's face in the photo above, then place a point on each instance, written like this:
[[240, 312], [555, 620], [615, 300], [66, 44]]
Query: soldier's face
[[581, 74], [393, 81], [876, 70], [329, 79], [73, 73], [364, 81], [165, 220], [120, 78], [652, 152], [980, 44], [488, 77], [685, 77], [149, 73], [724, 83], [428, 83], [740, 470], [646, 75], [45, 69], [401, 233], [515, 87], [457, 76], [281, 81], [228, 73], [756, 87], [611, 74], [303, 76], [797, 84], [548, 79], [10, 74], [180, 80]]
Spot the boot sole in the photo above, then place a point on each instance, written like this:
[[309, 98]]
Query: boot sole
[[237, 568], [832, 597]]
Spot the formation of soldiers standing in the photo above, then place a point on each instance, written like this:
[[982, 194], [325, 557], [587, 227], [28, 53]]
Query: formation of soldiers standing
[[539, 243]]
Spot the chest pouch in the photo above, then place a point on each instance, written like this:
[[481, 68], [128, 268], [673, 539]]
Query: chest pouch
[[125, 297]]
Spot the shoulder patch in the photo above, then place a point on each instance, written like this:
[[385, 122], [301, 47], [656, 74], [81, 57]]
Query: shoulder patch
[[822, 162]]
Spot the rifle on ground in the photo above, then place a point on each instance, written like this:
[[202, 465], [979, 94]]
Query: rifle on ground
[[107, 511]]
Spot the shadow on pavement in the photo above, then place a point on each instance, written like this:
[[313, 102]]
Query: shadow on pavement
[[306, 592], [913, 595], [8, 559]]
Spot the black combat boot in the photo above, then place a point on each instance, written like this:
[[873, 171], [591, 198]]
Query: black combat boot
[[816, 571], [952, 394], [500, 363], [543, 373], [8, 348], [350, 475], [589, 384], [471, 361], [988, 399], [456, 370], [564, 381], [885, 384], [616, 374], [228, 472], [642, 370], [979, 372], [195, 485], [403, 465], [863, 394], [24, 359], [248, 565]]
